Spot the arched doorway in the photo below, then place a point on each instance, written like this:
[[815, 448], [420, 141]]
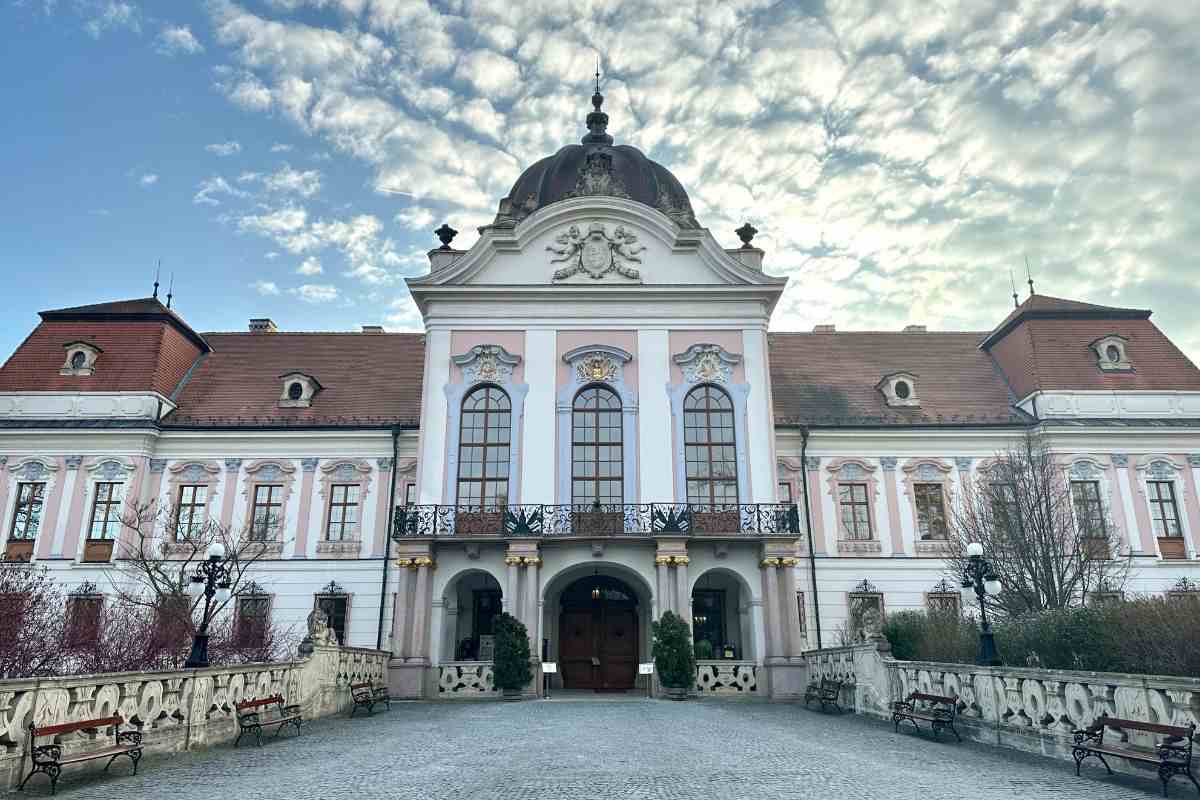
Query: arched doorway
[[598, 635]]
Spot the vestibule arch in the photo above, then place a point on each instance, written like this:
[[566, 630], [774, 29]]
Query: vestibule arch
[[470, 600], [722, 612]]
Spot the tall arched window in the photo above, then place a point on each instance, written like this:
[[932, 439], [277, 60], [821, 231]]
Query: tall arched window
[[483, 447], [596, 447], [709, 447]]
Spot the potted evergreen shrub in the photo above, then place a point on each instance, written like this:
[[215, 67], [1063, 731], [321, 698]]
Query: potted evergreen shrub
[[674, 659], [510, 667]]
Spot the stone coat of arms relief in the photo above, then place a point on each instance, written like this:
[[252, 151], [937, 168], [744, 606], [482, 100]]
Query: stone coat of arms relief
[[596, 253]]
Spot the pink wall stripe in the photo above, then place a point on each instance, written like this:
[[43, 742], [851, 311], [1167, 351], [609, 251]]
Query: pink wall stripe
[[231, 478], [383, 485], [70, 547], [1141, 510], [45, 534], [125, 536], [1189, 502], [1117, 506], [306, 494], [893, 506], [814, 505]]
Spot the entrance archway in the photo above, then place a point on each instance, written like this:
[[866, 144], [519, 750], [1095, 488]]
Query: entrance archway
[[598, 634]]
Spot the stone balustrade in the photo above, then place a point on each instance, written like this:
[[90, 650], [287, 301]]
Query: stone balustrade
[[180, 710], [727, 678], [1034, 710], [458, 680]]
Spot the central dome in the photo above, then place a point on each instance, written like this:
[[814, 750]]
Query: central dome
[[596, 168]]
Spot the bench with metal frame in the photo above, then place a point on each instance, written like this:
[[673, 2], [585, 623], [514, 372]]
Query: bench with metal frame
[[49, 759], [1172, 753], [828, 692], [366, 695], [254, 715], [938, 710]]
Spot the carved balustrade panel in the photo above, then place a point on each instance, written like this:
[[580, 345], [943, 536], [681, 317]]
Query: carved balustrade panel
[[461, 679], [731, 678]]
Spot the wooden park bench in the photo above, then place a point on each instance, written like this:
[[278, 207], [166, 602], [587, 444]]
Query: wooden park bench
[[367, 696], [254, 715], [49, 760], [937, 710], [1172, 753], [828, 692]]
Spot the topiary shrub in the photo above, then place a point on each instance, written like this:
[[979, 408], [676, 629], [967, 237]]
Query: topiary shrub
[[511, 668], [704, 650], [674, 658]]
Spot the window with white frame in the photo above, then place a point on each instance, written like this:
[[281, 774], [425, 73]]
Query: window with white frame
[[931, 511], [191, 511], [1089, 509], [27, 513], [106, 511], [342, 523], [855, 511], [1164, 511], [266, 513]]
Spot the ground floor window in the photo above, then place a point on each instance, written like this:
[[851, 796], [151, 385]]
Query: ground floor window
[[336, 605], [708, 622]]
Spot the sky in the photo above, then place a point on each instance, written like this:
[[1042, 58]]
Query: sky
[[901, 159]]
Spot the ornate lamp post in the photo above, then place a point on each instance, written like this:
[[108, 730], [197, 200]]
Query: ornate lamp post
[[210, 579], [979, 576]]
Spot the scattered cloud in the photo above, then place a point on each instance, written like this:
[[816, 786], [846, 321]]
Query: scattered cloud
[[310, 266], [224, 149], [415, 218], [316, 293], [174, 40], [210, 188], [103, 17], [285, 180], [279, 147], [148, 179], [265, 288]]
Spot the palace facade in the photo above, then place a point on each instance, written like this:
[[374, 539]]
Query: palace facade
[[595, 427]]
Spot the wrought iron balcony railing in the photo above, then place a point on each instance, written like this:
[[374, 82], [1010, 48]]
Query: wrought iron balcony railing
[[752, 519]]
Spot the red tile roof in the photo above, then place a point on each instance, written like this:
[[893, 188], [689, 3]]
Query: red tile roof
[[1040, 306], [366, 378], [831, 379]]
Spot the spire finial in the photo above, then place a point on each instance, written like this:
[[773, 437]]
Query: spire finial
[[170, 290], [1013, 282], [1029, 276], [157, 270], [597, 121]]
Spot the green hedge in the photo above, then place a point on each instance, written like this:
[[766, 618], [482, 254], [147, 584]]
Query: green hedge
[[1149, 636]]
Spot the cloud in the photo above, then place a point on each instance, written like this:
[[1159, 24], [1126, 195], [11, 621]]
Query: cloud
[[279, 147], [285, 180], [316, 293], [177, 40], [265, 288], [224, 149], [210, 188], [109, 16], [310, 266], [148, 179], [415, 218]]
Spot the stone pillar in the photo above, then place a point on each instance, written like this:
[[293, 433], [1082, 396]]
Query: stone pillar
[[662, 571], [400, 616], [770, 568], [532, 566], [508, 598], [784, 666], [408, 671], [670, 562], [790, 611], [419, 652], [683, 597]]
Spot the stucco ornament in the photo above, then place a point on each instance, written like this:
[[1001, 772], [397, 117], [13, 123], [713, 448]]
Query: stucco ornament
[[487, 362], [707, 363], [596, 368], [596, 253]]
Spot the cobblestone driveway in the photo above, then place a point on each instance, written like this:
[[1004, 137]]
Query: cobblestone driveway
[[579, 750]]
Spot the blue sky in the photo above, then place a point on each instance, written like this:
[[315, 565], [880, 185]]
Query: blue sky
[[290, 158]]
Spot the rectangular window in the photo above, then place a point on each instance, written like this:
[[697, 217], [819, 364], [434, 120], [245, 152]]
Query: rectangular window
[[83, 620], [173, 625], [948, 603], [343, 512], [1164, 513], [803, 619], [708, 619], [12, 618], [866, 616], [191, 512], [106, 512], [1006, 511], [410, 494], [856, 517], [27, 517], [251, 620], [931, 511], [335, 607], [267, 512], [1089, 511], [785, 491]]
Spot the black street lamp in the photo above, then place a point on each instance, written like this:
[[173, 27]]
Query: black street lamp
[[979, 576], [211, 579]]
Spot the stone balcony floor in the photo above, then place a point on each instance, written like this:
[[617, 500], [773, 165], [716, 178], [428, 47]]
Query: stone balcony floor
[[582, 750]]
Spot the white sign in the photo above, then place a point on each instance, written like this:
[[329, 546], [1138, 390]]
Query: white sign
[[487, 648], [549, 666], [646, 669]]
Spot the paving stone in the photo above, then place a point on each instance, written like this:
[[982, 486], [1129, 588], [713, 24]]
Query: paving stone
[[617, 749]]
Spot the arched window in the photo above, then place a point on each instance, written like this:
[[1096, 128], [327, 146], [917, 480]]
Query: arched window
[[483, 447], [709, 448], [596, 447]]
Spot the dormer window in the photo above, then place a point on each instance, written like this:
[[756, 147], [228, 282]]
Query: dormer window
[[1111, 354], [899, 390], [298, 390], [80, 360]]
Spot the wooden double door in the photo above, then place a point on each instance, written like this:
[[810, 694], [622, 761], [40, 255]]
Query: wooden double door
[[598, 640]]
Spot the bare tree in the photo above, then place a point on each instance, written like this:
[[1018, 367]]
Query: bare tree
[[1049, 540], [32, 623]]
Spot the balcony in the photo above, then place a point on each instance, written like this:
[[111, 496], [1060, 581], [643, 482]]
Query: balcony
[[590, 521]]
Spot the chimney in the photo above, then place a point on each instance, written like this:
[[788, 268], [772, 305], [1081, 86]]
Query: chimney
[[372, 329], [262, 325], [914, 329], [824, 328]]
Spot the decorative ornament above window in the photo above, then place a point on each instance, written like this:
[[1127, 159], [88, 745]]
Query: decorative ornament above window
[[707, 363], [33, 469], [596, 253], [80, 360], [865, 587], [487, 363], [1111, 353], [333, 588], [1161, 471], [596, 368], [899, 390], [298, 390], [1084, 471], [110, 470]]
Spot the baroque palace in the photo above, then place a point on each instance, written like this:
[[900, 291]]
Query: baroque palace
[[595, 427]]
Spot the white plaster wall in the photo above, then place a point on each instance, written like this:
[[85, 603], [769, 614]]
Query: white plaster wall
[[656, 470], [431, 461], [758, 417], [538, 431]]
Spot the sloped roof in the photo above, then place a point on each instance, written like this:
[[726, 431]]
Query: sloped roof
[[1040, 306], [831, 379], [366, 379]]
